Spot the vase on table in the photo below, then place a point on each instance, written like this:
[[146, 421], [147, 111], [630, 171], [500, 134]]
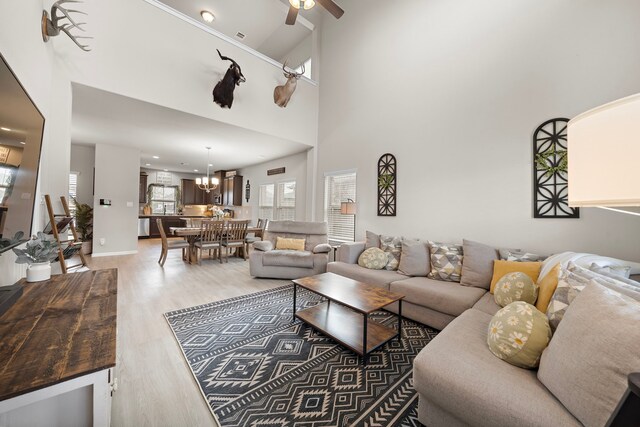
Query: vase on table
[[39, 271]]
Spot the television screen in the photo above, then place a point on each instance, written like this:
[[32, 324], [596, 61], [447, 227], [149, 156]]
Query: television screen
[[21, 129]]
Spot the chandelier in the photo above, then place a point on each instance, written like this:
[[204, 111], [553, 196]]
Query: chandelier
[[207, 183]]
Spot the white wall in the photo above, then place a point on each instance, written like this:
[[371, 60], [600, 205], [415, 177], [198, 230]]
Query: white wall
[[150, 55], [117, 179], [43, 76], [455, 90], [83, 159], [296, 170]]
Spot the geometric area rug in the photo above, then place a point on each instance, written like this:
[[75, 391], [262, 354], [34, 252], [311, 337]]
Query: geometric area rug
[[255, 367]]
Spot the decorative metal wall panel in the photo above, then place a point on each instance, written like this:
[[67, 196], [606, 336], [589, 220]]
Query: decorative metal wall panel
[[387, 170], [550, 190]]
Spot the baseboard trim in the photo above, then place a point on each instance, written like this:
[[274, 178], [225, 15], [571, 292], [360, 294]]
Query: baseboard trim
[[95, 255]]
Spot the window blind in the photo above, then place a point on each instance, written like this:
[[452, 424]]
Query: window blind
[[73, 191], [337, 189], [286, 201], [265, 201]]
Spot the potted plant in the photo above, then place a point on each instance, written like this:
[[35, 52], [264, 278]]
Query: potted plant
[[38, 253], [84, 225]]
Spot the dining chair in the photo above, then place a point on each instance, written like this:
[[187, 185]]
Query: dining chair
[[170, 244], [211, 233], [257, 235], [235, 236]]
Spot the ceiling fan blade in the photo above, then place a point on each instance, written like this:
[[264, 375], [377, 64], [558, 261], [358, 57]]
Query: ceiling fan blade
[[291, 16], [332, 8]]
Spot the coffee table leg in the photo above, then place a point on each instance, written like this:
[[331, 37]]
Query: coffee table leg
[[364, 340], [295, 289], [399, 320]]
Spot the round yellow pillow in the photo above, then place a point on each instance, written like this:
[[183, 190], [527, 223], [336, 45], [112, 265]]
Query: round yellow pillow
[[515, 286], [373, 259], [518, 334]]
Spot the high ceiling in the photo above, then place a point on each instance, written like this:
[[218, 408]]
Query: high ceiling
[[261, 21], [177, 138]]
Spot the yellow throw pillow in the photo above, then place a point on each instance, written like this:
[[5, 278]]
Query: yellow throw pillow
[[501, 268], [292, 244], [547, 286]]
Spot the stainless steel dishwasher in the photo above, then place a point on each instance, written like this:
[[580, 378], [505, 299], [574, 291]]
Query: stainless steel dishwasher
[[143, 227]]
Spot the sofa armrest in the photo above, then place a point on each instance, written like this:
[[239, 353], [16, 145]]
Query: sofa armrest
[[322, 248], [349, 252], [263, 245]]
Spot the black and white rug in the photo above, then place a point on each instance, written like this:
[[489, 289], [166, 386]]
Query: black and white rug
[[255, 367]]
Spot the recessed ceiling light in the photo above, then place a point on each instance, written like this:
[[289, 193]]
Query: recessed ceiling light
[[156, 157], [23, 143], [210, 164], [195, 170], [6, 129], [207, 16], [166, 170], [147, 164]]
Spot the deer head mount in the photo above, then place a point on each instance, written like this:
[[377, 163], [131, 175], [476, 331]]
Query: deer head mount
[[60, 20], [223, 92], [282, 94]]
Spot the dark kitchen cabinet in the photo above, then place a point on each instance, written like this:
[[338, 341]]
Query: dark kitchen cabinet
[[142, 189], [167, 222], [232, 191], [188, 194]]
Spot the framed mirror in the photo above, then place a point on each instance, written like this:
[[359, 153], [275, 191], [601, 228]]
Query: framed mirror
[[21, 131]]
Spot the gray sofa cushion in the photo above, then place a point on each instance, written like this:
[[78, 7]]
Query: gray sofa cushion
[[477, 264], [593, 350], [458, 373], [380, 278], [373, 240], [487, 304], [287, 258], [350, 252], [414, 260], [445, 297], [313, 233]]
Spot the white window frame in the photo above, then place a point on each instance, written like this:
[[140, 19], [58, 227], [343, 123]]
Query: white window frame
[[341, 227], [73, 194], [282, 212], [266, 210]]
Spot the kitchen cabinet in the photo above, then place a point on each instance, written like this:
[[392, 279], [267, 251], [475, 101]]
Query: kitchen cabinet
[[167, 222], [232, 191], [193, 195], [142, 189]]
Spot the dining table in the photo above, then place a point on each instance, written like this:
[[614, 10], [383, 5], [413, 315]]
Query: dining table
[[191, 234]]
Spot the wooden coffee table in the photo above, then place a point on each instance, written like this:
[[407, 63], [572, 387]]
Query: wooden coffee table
[[347, 321]]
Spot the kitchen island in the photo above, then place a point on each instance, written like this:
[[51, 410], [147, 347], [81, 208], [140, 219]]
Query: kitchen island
[[167, 222]]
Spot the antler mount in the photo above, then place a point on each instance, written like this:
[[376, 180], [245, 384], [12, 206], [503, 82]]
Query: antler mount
[[60, 20]]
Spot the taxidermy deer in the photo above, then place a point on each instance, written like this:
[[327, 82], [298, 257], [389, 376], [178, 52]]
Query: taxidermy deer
[[282, 94], [60, 20], [223, 92]]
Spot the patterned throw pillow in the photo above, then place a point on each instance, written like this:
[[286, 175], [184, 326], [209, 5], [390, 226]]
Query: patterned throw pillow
[[515, 287], [518, 334], [511, 255], [446, 261], [373, 259], [392, 246], [569, 286]]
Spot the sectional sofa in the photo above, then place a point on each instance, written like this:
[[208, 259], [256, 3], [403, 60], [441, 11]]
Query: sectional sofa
[[458, 380]]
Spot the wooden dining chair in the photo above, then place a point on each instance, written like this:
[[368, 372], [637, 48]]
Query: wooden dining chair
[[235, 236], [211, 233], [170, 244]]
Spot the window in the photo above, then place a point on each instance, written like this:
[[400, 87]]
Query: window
[[7, 179], [164, 199], [337, 189], [265, 202], [286, 201], [73, 191]]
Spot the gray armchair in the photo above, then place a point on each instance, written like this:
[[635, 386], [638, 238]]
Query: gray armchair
[[266, 261]]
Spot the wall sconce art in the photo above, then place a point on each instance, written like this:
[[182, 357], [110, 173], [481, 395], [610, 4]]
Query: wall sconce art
[[60, 20], [247, 191]]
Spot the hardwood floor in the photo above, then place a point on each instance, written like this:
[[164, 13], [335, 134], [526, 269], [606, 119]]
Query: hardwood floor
[[155, 385]]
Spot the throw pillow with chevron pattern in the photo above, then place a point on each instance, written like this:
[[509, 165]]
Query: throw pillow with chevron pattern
[[446, 261]]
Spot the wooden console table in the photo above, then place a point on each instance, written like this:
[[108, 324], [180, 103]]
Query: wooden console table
[[60, 336]]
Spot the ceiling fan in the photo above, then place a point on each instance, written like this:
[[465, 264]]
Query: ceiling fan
[[296, 5]]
